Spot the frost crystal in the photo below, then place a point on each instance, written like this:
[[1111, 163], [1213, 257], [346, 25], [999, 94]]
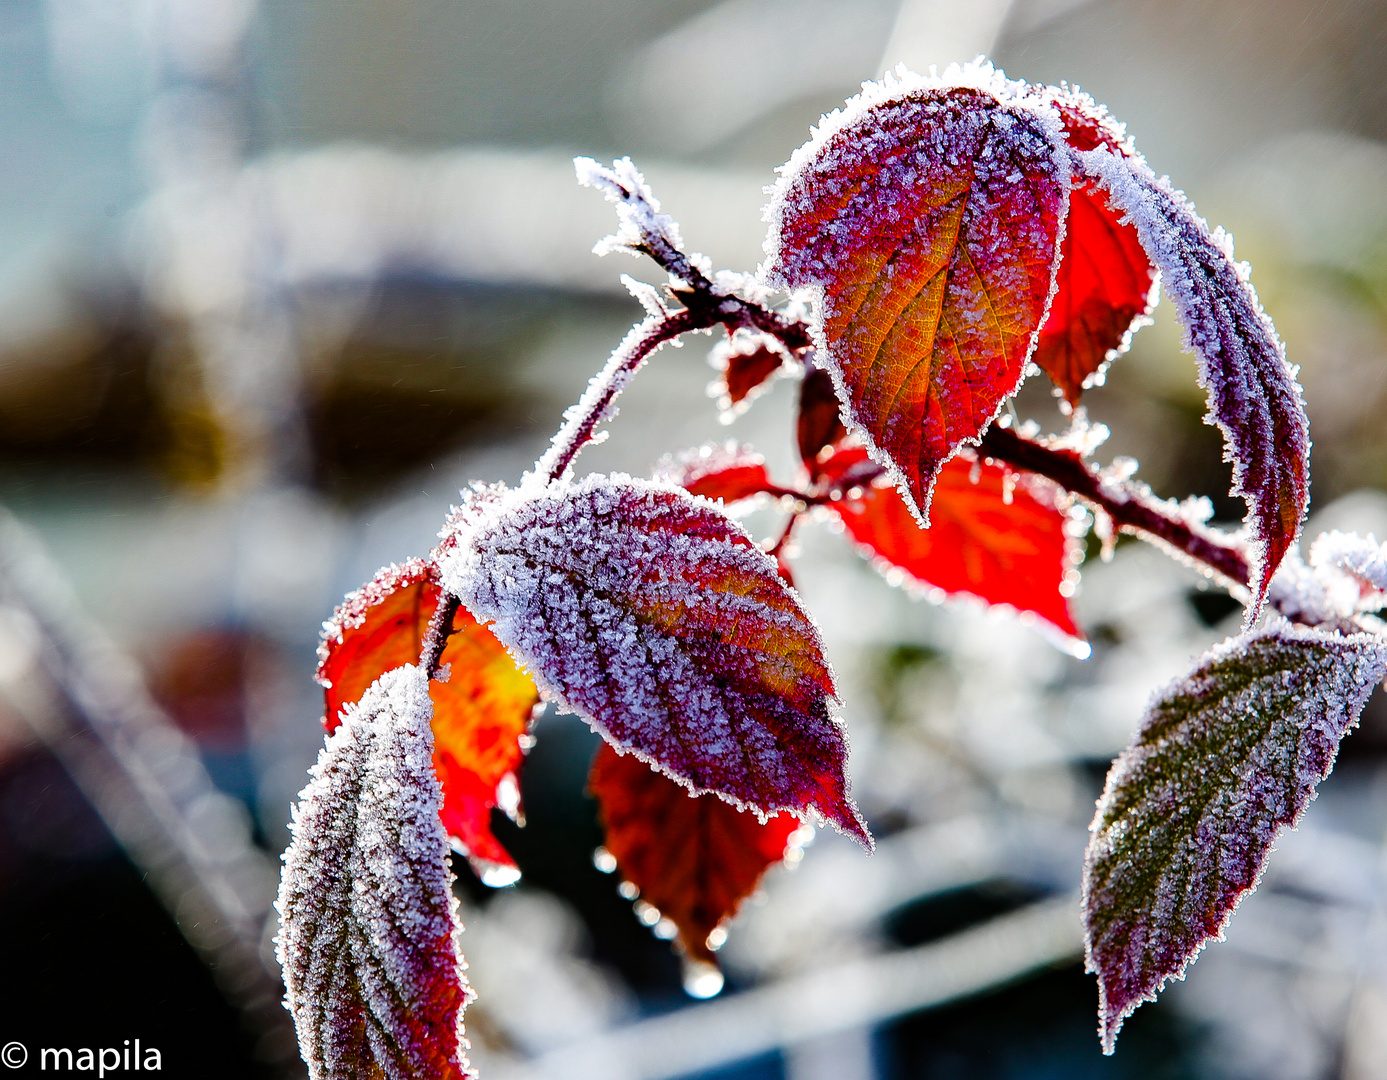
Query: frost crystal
[[1226, 759], [637, 209], [1364, 559], [1253, 396], [649, 613], [368, 922]]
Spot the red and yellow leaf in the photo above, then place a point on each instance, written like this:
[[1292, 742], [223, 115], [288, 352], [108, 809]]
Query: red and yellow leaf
[[990, 536], [657, 619], [480, 713], [694, 858], [925, 219]]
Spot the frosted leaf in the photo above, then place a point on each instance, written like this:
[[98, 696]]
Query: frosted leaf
[[747, 362], [650, 614], [1253, 396], [1106, 286], [729, 472], [1364, 559], [925, 222], [368, 922], [1226, 759]]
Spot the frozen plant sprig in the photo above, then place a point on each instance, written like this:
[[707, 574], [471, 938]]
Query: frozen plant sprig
[[940, 239]]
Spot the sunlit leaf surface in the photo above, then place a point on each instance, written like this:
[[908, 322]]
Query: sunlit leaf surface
[[480, 712], [991, 536]]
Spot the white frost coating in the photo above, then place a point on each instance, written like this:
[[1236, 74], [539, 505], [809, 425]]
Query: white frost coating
[[368, 921], [1311, 595], [639, 344], [1364, 559], [647, 296], [894, 85], [646, 611], [1253, 396], [843, 160]]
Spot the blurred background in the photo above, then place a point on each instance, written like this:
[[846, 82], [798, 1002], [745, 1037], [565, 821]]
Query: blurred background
[[276, 279]]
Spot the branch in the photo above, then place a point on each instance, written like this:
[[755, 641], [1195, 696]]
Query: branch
[[1130, 507], [436, 636], [646, 230], [580, 422]]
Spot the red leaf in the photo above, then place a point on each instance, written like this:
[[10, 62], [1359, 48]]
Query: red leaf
[[847, 468], [730, 473], [818, 425], [746, 371], [658, 620], [479, 713], [694, 858], [1104, 289], [925, 219], [1105, 281], [979, 544]]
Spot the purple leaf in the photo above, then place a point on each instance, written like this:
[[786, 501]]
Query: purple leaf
[[657, 619], [1226, 759], [368, 923], [1253, 396]]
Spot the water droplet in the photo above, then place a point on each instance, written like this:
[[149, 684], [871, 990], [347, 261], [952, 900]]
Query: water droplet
[[702, 979], [508, 798], [604, 860], [665, 929], [498, 876], [647, 913]]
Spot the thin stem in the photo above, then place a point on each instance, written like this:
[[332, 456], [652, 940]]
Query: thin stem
[[436, 636], [784, 539], [580, 422], [1129, 507]]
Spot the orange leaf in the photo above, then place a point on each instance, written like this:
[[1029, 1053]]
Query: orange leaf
[[990, 536], [480, 713], [925, 220], [693, 858]]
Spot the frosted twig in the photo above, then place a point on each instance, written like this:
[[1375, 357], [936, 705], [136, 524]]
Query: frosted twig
[[436, 637], [1128, 505], [645, 230]]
